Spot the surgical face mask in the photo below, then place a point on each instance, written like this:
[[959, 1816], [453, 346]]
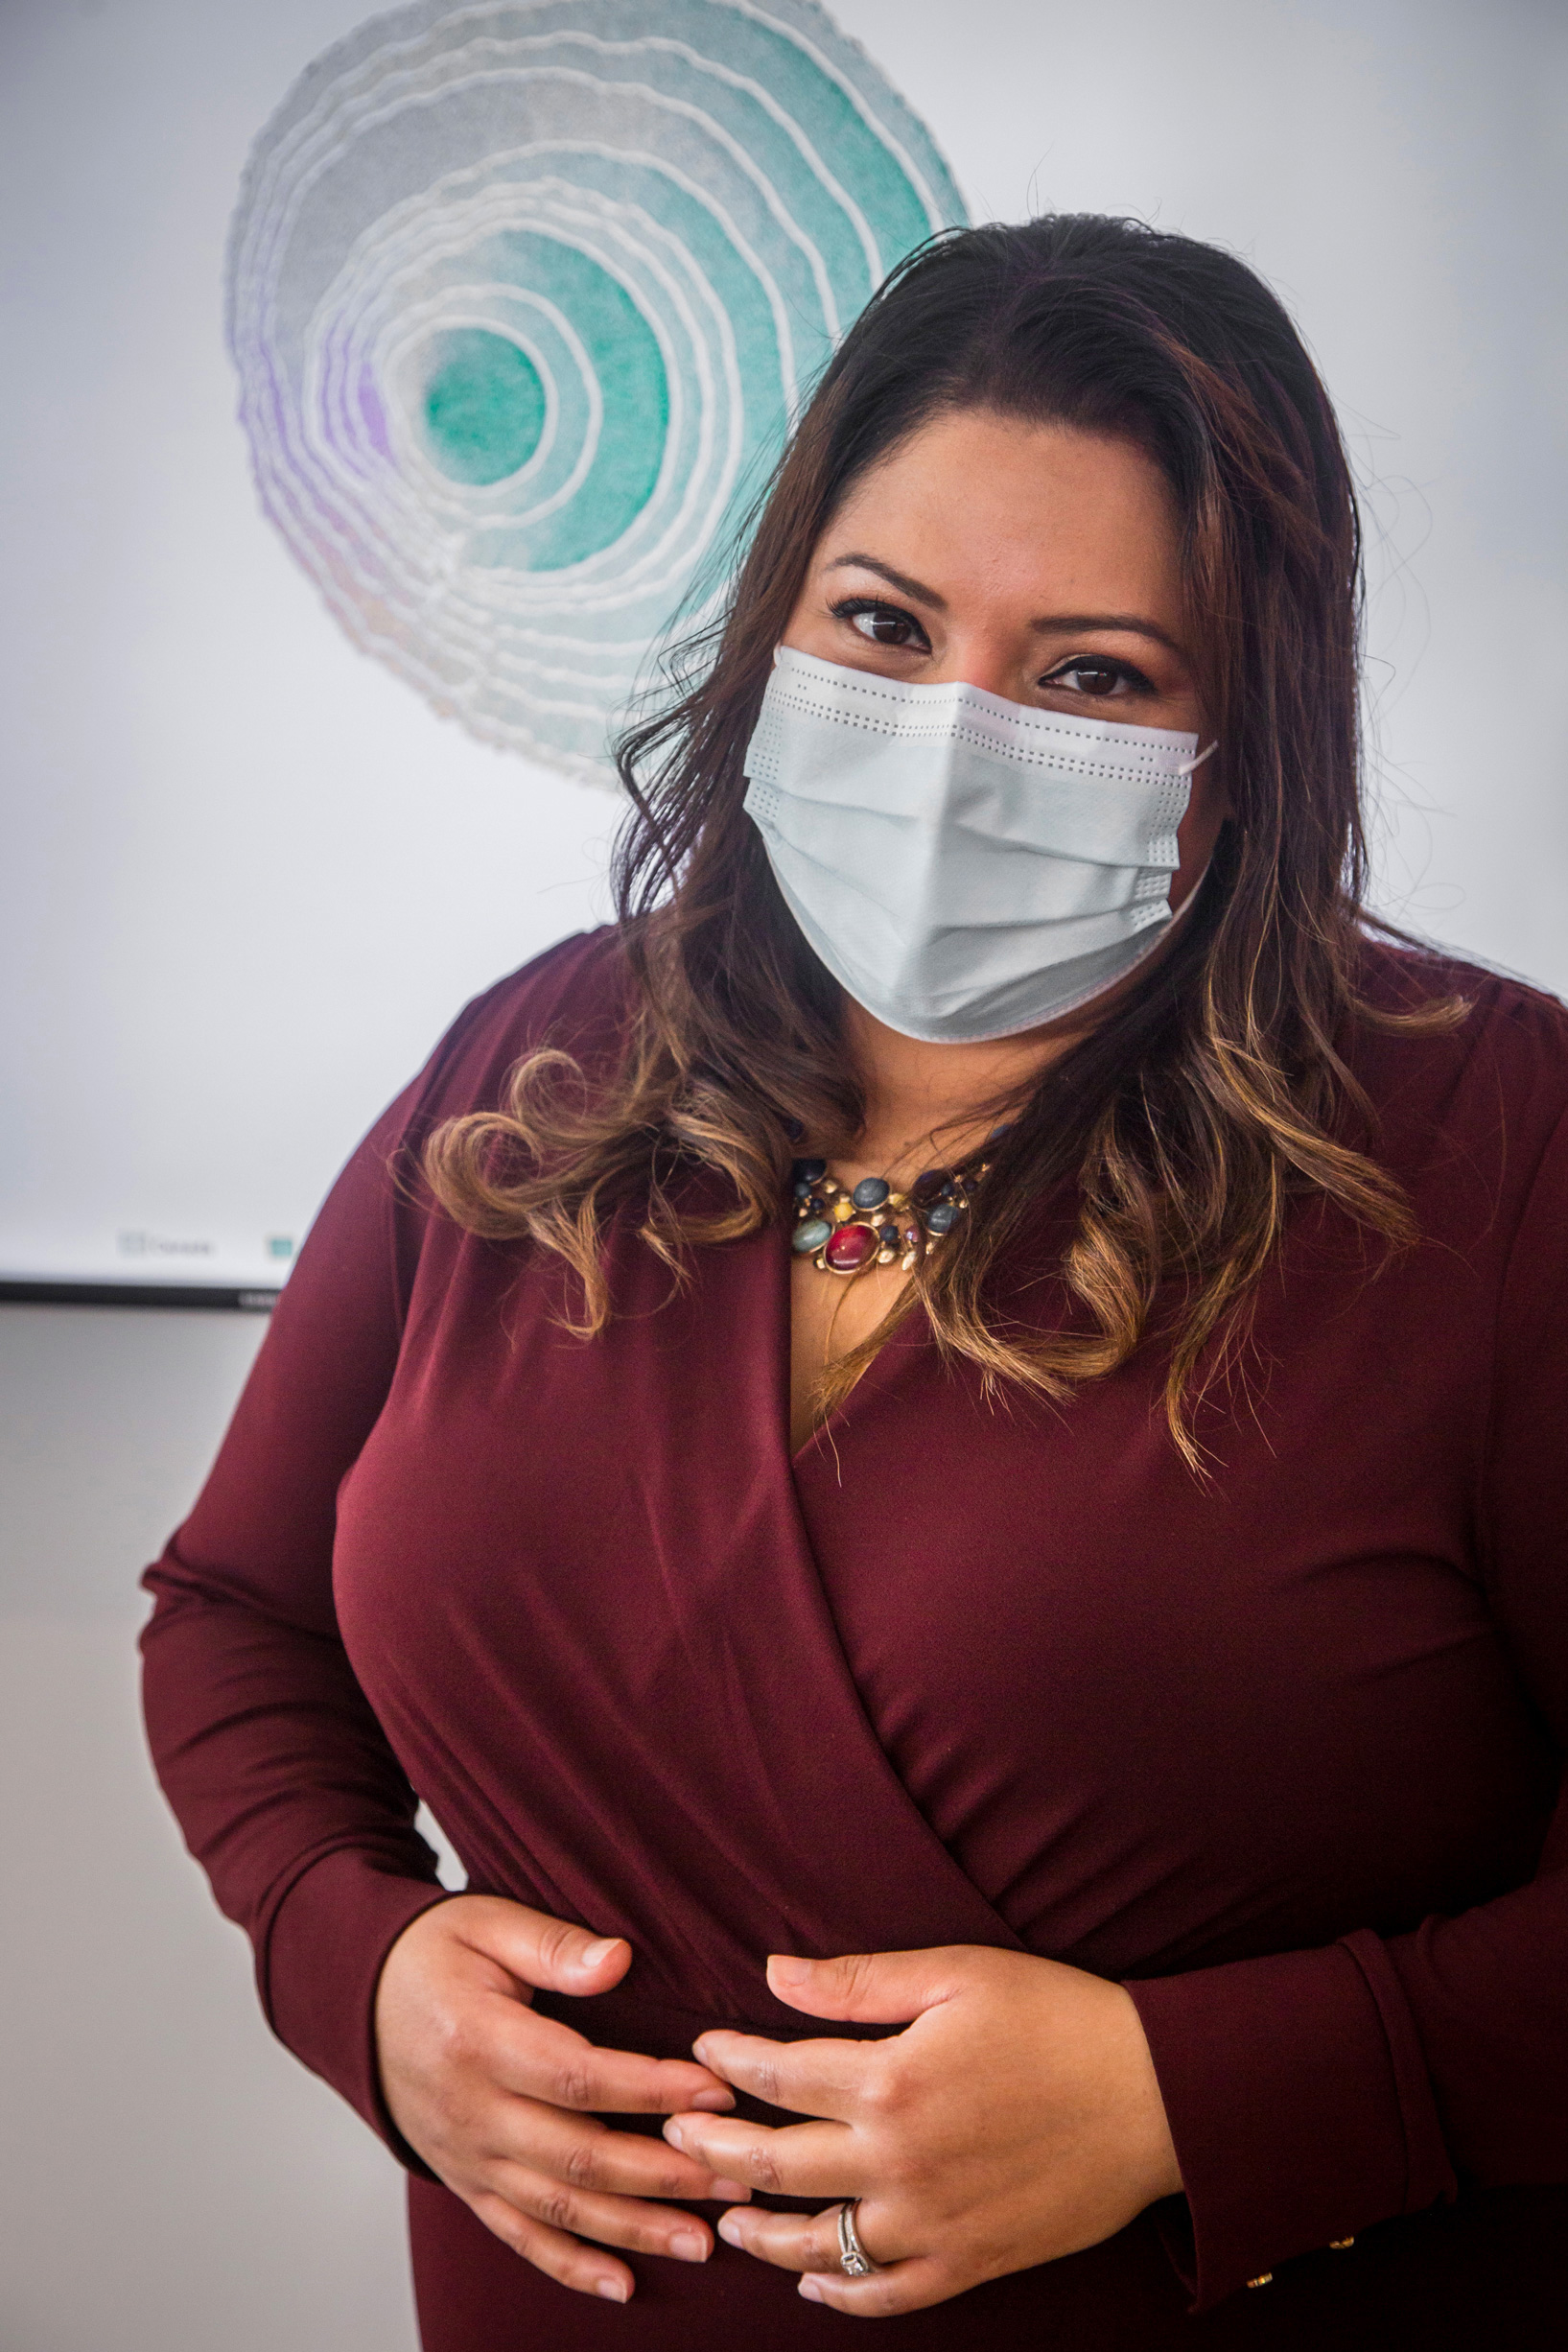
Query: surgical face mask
[[966, 868]]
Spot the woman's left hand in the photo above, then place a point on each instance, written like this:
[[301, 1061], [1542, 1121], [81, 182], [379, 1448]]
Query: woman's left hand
[[1014, 2120]]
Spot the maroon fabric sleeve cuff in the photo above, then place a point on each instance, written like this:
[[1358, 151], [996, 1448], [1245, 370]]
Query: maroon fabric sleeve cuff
[[1298, 2102], [318, 1968]]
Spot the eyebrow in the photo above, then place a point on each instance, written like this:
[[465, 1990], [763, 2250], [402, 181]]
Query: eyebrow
[[1130, 624], [895, 579], [1050, 624]]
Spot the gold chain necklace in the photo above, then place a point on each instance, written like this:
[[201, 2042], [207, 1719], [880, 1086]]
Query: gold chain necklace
[[874, 1224]]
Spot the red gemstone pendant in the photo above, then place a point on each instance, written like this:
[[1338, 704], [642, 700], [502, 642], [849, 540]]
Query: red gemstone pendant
[[848, 1248]]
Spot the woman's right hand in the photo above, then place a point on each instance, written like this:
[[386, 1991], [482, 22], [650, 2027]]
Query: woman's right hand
[[501, 2102]]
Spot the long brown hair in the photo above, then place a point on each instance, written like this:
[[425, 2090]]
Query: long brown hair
[[1200, 1106]]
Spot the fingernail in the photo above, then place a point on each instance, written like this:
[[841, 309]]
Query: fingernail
[[590, 1957], [789, 1972], [613, 2290], [687, 2246], [810, 2289], [674, 2135], [729, 2229], [731, 2192], [714, 2102]]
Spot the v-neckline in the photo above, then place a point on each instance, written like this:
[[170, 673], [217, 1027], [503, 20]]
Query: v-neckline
[[841, 1723], [784, 1343]]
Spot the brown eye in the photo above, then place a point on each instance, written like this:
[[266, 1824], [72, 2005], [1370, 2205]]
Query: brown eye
[[1088, 677], [885, 625]]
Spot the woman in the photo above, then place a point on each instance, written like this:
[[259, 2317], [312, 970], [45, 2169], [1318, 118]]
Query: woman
[[1023, 1727]]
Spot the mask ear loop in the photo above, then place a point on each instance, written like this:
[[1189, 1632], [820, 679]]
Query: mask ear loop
[[1191, 768], [1186, 770]]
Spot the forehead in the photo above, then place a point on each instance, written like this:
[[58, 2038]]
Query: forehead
[[976, 498]]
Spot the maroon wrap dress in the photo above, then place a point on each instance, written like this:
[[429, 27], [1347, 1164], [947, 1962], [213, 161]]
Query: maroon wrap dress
[[1279, 1746]]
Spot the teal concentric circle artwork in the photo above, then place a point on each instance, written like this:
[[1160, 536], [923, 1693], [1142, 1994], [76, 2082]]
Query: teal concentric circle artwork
[[523, 299]]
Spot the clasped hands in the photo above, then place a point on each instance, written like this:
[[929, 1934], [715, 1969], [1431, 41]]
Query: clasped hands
[[1015, 2119]]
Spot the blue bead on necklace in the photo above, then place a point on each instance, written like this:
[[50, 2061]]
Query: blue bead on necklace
[[874, 1224]]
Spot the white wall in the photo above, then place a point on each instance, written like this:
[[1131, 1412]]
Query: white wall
[[169, 2181]]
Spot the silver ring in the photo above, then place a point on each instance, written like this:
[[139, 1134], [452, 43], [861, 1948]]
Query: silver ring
[[853, 2258]]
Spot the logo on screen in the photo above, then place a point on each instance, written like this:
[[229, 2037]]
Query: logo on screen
[[523, 299]]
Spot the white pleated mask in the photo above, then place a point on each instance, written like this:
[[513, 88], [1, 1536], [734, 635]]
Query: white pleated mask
[[965, 866]]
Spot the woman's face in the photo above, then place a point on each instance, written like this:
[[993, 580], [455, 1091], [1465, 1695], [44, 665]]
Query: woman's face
[[1038, 563]]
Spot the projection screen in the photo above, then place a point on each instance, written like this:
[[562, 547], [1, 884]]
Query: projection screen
[[378, 391]]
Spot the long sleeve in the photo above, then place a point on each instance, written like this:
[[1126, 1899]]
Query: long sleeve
[[1314, 2094], [285, 1786], [276, 1764]]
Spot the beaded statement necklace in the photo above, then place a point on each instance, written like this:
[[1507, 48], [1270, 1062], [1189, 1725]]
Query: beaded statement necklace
[[843, 1233]]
